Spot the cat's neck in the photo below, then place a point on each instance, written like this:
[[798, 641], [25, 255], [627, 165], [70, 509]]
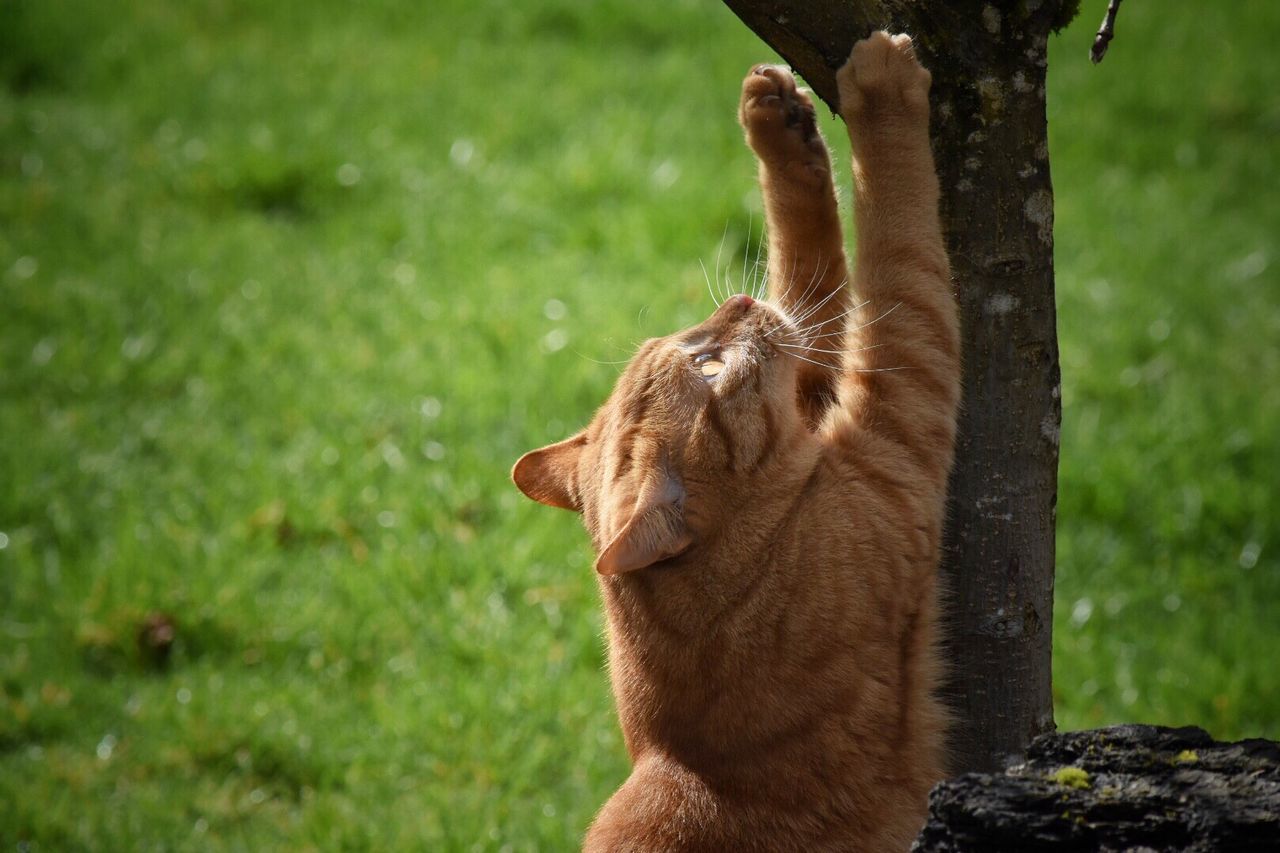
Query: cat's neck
[[683, 635], [679, 599]]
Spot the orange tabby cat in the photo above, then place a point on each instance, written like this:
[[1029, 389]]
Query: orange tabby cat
[[765, 492]]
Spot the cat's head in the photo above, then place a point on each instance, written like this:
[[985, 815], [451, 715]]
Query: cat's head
[[695, 419]]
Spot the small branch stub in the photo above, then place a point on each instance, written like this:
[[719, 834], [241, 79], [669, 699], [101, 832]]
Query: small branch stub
[[1105, 33]]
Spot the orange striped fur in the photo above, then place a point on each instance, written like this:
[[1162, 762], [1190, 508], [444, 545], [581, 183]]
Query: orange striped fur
[[765, 492]]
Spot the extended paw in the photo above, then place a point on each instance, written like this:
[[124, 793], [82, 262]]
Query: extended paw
[[883, 76], [779, 118]]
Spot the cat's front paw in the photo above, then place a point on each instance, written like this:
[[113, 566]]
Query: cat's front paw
[[779, 119], [883, 79]]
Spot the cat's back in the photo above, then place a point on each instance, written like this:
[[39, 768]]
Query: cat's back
[[808, 694]]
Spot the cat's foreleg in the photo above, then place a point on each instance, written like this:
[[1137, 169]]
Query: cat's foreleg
[[807, 268], [902, 361]]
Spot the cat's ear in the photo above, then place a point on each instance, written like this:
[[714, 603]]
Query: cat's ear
[[549, 475], [656, 530]]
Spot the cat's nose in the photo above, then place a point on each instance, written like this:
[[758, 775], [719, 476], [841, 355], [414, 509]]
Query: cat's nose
[[729, 312]]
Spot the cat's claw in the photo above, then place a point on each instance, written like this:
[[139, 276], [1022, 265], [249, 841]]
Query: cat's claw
[[779, 118]]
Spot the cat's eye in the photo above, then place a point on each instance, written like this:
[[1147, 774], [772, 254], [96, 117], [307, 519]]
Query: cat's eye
[[709, 365]]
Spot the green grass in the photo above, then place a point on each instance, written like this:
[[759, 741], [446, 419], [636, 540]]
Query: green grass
[[287, 287]]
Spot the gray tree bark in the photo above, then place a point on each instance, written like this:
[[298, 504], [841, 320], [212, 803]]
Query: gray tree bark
[[990, 143], [1121, 788]]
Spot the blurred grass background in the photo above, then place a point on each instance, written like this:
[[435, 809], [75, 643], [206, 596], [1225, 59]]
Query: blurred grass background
[[287, 287]]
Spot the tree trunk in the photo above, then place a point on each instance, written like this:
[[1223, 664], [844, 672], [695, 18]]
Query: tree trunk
[[991, 146]]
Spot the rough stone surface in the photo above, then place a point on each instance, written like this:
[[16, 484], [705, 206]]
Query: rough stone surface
[[1132, 788]]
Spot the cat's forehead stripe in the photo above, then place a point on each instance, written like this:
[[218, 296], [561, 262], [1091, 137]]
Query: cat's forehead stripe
[[637, 402]]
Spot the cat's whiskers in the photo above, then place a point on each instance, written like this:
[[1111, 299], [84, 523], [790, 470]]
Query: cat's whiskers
[[896, 305], [765, 260], [719, 252], [760, 271], [790, 352], [814, 279], [785, 305], [787, 285], [707, 276], [817, 306], [811, 361], [830, 351], [781, 289], [598, 361], [746, 251], [808, 331], [817, 324], [814, 309], [808, 345]]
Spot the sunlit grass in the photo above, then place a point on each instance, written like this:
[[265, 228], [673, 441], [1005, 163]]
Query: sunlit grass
[[287, 287]]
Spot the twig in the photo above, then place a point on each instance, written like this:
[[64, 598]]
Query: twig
[[1105, 33]]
